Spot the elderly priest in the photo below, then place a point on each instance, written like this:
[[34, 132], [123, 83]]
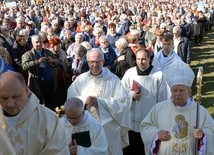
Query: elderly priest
[[169, 128]]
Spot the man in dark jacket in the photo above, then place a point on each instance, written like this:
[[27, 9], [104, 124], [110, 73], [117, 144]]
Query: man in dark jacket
[[181, 45], [40, 64]]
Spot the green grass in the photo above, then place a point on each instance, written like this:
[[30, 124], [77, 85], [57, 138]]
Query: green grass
[[204, 56]]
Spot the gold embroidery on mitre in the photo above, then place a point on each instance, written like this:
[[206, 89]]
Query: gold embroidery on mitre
[[180, 135]]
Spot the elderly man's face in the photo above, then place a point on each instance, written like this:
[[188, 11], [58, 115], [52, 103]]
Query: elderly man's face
[[180, 94], [104, 43], [95, 63], [13, 97], [37, 44]]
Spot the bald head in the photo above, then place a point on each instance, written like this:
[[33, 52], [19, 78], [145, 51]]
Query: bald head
[[13, 93], [74, 110], [10, 77], [74, 104]]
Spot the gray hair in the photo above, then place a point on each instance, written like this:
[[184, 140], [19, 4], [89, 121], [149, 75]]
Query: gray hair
[[78, 35], [97, 50], [103, 38], [74, 103], [122, 42], [36, 37], [87, 45], [176, 29]]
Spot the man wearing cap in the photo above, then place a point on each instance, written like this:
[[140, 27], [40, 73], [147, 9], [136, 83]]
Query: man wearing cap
[[169, 128]]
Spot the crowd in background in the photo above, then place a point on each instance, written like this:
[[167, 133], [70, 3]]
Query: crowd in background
[[67, 29]]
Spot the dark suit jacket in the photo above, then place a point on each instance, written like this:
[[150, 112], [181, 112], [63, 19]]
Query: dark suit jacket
[[184, 50]]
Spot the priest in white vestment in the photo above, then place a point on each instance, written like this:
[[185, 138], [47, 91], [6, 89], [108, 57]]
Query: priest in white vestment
[[106, 100], [31, 128], [166, 56], [170, 127], [77, 120], [152, 89]]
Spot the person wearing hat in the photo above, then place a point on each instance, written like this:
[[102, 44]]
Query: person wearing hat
[[170, 126]]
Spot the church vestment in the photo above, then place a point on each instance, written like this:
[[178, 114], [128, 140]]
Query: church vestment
[[161, 62], [112, 112], [152, 89], [5, 145], [180, 122], [99, 144], [35, 130]]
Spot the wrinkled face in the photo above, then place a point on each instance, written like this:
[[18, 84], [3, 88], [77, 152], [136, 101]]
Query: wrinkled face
[[104, 43], [13, 97], [167, 46], [95, 63], [176, 34], [142, 60], [180, 94], [37, 44]]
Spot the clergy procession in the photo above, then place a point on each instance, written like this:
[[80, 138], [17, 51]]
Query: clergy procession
[[102, 77]]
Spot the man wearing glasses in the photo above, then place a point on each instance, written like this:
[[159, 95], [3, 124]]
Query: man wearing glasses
[[105, 98], [80, 123]]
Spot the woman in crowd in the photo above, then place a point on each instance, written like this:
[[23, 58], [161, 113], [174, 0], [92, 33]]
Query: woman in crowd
[[127, 58], [19, 48], [113, 36], [61, 79]]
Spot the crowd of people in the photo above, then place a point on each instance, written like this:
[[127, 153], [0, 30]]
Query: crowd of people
[[122, 69]]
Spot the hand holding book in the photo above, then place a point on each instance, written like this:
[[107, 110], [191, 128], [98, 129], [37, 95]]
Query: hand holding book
[[136, 89], [135, 86]]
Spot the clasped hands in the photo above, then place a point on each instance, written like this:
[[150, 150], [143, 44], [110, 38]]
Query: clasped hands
[[91, 101], [164, 135]]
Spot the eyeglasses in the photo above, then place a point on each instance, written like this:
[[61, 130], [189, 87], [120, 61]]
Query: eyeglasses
[[96, 62], [75, 118]]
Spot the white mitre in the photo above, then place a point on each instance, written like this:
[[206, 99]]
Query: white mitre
[[179, 73]]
